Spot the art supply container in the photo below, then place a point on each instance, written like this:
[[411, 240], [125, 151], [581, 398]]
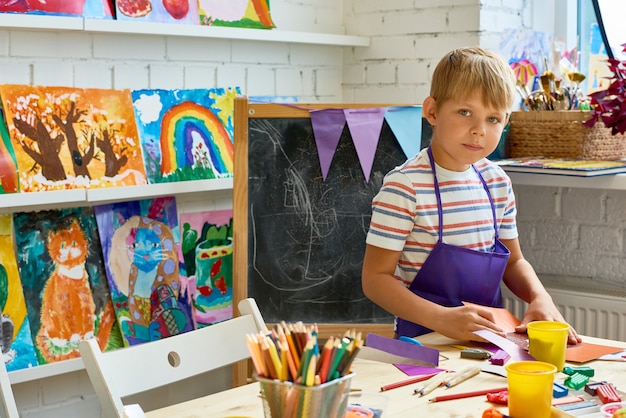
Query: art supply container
[[292, 400], [366, 405], [547, 341], [530, 388], [609, 410]]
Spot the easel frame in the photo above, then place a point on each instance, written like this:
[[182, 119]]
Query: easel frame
[[243, 111]]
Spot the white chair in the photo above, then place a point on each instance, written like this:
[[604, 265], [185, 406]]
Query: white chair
[[127, 371], [9, 407]]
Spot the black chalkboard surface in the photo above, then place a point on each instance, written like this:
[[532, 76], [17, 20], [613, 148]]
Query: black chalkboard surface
[[306, 236]]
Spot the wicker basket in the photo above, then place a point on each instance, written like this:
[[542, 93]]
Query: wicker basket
[[561, 134]]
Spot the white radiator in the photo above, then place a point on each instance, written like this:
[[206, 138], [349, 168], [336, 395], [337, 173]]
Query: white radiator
[[595, 315]]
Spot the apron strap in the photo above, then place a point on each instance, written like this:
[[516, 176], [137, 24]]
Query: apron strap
[[439, 209], [438, 196]]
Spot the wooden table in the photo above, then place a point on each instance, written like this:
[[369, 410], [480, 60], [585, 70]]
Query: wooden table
[[370, 375]]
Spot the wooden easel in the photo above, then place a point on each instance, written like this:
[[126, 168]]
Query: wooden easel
[[242, 114]]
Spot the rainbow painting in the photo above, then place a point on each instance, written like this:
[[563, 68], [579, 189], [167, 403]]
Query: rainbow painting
[[186, 134]]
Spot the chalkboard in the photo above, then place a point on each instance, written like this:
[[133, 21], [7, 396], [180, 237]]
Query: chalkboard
[[305, 236]]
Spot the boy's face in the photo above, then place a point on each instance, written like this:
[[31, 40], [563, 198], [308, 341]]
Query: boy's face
[[464, 130]]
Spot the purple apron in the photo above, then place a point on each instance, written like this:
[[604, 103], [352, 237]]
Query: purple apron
[[451, 275]]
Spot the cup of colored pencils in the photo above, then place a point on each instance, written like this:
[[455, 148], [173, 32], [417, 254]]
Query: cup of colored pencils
[[300, 377]]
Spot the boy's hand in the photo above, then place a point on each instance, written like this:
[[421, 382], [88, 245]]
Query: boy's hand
[[460, 322], [543, 309]]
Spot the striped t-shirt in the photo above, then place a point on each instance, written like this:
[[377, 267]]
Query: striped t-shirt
[[404, 212]]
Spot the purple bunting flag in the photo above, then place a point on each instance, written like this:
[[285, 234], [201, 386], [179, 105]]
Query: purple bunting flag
[[327, 128], [365, 125]]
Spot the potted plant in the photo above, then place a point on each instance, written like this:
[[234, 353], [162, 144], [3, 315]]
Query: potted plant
[[609, 106]]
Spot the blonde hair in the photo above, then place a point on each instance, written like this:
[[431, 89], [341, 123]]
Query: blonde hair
[[464, 71]]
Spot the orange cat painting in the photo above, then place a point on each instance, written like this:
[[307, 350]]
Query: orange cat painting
[[68, 311]]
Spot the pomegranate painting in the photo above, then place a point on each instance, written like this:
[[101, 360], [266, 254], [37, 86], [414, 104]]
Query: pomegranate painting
[[159, 11], [177, 8]]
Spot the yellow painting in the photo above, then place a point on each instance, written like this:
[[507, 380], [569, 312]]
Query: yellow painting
[[17, 345], [66, 137]]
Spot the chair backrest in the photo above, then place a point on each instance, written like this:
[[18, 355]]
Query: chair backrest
[[8, 408], [127, 371]]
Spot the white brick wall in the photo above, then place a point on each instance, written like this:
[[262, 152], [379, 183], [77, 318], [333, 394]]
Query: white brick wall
[[575, 238]]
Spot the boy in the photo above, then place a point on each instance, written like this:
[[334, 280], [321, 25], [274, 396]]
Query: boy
[[423, 273]]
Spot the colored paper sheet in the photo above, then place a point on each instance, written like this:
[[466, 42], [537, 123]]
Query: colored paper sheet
[[365, 126], [406, 124], [516, 352], [327, 126], [417, 370], [503, 318], [404, 349], [374, 354], [583, 352]]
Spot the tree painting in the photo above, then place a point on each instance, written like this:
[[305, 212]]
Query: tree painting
[[72, 138]]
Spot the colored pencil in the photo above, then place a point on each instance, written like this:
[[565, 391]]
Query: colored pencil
[[291, 352], [466, 394], [462, 376], [406, 382], [326, 358], [433, 384]]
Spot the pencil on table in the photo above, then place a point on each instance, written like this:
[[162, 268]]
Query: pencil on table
[[466, 394], [462, 376], [433, 384], [406, 382]]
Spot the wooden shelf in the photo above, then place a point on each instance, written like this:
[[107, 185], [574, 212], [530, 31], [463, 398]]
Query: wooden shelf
[[198, 31], [19, 202], [46, 370], [62, 23], [38, 22], [119, 194], [55, 199], [610, 182]]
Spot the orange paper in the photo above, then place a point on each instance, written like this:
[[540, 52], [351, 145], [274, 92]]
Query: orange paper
[[503, 318], [583, 352]]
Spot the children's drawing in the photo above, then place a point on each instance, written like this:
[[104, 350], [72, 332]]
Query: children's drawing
[[140, 243], [525, 50], [8, 165], [16, 342], [162, 11], [73, 138], [207, 249], [238, 13], [84, 8], [186, 134], [67, 297]]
